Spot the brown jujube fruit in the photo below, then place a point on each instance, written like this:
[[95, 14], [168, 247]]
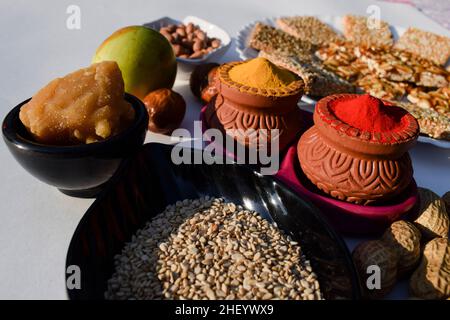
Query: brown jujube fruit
[[209, 93], [166, 109], [202, 81]]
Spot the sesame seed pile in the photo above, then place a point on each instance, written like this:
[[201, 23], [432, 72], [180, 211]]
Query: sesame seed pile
[[209, 249]]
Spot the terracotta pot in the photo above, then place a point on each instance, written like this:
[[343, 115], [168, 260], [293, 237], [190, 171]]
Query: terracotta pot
[[245, 109], [349, 218], [355, 165]]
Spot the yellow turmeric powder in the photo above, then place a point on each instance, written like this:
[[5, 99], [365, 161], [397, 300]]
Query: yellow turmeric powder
[[262, 74]]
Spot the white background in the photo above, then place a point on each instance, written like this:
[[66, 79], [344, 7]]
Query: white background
[[37, 221]]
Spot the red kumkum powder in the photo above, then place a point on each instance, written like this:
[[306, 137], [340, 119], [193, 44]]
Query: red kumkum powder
[[368, 113]]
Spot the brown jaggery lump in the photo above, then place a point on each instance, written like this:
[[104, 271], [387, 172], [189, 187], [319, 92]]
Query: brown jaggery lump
[[83, 107]]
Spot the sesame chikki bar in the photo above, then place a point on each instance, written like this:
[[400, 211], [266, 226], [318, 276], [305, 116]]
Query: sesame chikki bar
[[359, 29], [308, 28], [431, 123], [269, 39], [425, 44]]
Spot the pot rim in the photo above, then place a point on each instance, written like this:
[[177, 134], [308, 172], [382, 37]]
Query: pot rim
[[363, 142], [261, 97]]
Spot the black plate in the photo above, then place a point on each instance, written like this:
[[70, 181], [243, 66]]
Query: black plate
[[150, 181]]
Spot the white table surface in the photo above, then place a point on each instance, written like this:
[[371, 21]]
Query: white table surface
[[35, 46]]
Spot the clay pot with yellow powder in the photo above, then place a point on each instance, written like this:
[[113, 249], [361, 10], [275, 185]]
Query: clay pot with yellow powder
[[253, 95]]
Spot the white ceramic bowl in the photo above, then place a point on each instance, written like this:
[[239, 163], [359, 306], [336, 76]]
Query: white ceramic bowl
[[185, 66]]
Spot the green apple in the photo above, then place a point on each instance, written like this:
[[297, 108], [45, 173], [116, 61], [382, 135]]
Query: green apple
[[144, 56]]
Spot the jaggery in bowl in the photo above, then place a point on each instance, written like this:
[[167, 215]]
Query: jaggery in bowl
[[76, 170]]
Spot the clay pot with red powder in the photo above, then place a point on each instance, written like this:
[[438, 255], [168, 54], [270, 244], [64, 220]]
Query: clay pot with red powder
[[357, 149]]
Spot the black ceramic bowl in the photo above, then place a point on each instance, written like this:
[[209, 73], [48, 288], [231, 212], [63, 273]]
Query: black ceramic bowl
[[150, 181], [80, 170]]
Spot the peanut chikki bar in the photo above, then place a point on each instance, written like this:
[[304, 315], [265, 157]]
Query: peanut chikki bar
[[340, 58], [431, 123], [269, 39], [319, 82], [344, 59], [397, 69], [438, 100], [400, 65], [363, 31], [308, 28], [382, 88], [425, 44]]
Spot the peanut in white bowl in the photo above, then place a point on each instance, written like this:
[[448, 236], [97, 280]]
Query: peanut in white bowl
[[186, 65]]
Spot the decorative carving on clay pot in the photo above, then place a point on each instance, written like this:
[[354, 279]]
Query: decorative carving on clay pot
[[354, 165], [243, 109]]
